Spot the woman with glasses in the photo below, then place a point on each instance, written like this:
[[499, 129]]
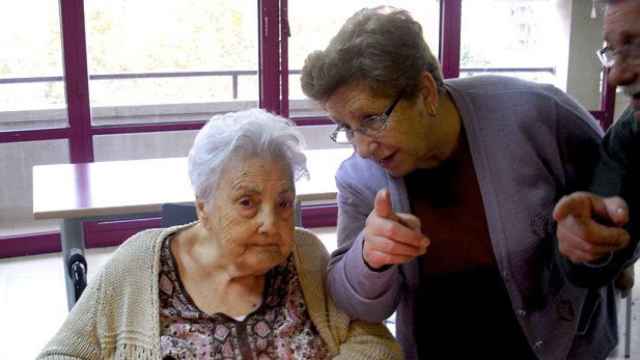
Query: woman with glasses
[[445, 207]]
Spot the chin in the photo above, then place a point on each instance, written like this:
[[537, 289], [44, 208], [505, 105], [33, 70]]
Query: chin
[[400, 169], [260, 262], [398, 173]]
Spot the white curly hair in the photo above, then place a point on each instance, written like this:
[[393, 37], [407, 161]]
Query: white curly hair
[[254, 132]]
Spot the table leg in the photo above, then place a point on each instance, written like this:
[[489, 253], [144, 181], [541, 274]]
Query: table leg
[[71, 237]]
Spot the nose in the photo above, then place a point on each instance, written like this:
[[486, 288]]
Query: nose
[[364, 145], [622, 73], [267, 218]]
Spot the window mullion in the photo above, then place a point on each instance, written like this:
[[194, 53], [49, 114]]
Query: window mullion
[[76, 80], [269, 34], [450, 28], [284, 58]]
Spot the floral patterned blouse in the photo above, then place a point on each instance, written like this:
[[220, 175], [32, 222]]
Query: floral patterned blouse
[[280, 328]]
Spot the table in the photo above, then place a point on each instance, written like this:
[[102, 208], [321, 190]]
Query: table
[[108, 190]]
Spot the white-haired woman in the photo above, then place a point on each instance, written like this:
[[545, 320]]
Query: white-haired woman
[[240, 283]]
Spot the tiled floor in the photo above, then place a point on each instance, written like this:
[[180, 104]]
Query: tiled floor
[[33, 300]]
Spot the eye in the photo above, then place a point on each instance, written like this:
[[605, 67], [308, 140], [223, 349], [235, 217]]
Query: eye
[[368, 120], [286, 204], [246, 202], [374, 122]]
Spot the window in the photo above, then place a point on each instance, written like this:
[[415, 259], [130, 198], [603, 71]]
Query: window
[[32, 98], [156, 70], [547, 41], [168, 61], [313, 24], [31, 84], [16, 161], [518, 41], [143, 146]]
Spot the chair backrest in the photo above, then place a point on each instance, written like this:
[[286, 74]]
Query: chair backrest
[[178, 214]]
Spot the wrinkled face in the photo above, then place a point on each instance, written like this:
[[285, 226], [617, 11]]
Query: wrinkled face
[[252, 214], [622, 28], [407, 143]]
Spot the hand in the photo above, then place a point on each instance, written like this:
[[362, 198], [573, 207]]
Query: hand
[[589, 226], [391, 238]]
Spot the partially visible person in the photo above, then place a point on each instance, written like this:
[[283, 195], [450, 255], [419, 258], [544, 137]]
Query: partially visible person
[[595, 249], [240, 283], [445, 210]]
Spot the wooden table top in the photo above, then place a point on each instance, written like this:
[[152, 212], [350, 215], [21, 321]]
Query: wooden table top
[[66, 191]]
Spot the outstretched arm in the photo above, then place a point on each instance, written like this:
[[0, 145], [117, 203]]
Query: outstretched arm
[[363, 276]]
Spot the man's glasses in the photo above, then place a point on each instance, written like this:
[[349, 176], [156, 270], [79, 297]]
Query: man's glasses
[[629, 54], [371, 126]]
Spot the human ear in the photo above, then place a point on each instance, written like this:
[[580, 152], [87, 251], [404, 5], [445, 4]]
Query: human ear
[[429, 92], [203, 213]]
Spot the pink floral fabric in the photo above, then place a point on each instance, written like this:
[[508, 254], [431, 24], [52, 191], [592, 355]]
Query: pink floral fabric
[[279, 329]]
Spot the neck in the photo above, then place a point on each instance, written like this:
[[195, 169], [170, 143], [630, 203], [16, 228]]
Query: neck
[[450, 128], [203, 257], [209, 277]]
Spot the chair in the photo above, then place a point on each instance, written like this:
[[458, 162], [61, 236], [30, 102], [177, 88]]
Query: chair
[[77, 271], [177, 214]]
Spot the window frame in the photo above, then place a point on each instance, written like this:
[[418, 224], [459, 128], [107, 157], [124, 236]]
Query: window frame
[[273, 75]]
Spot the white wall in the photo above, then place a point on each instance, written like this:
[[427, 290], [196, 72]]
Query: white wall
[[583, 76], [584, 69]]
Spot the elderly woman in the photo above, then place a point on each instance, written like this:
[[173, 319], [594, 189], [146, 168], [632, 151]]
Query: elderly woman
[[445, 209], [240, 283]]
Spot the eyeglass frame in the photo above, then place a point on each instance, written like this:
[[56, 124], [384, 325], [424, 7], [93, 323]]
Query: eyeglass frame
[[367, 130], [626, 50]]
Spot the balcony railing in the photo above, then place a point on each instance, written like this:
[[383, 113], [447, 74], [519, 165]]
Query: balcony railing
[[235, 74], [201, 111]]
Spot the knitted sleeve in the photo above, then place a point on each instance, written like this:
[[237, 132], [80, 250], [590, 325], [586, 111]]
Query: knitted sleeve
[[368, 341], [77, 338], [346, 338]]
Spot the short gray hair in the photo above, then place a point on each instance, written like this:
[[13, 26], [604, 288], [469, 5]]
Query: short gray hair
[[382, 47], [252, 132]]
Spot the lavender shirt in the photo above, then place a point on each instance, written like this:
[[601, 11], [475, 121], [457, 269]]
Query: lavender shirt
[[530, 145]]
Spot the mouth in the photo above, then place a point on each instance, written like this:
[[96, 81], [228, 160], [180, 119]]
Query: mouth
[[387, 161]]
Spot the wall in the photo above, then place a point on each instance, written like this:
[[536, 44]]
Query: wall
[[583, 80], [584, 70]]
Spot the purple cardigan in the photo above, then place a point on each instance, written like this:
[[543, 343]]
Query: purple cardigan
[[530, 145]]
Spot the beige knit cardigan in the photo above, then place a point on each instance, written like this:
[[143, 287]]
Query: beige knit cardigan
[[117, 315]]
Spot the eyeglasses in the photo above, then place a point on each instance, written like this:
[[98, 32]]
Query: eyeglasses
[[629, 54], [371, 126]]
